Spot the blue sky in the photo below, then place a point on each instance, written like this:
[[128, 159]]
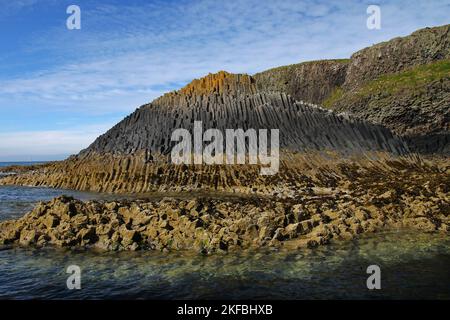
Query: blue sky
[[60, 88]]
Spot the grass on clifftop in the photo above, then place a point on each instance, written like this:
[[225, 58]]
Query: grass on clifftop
[[392, 83], [411, 78], [290, 66]]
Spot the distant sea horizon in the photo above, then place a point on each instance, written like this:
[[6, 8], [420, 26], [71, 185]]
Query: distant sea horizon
[[20, 163]]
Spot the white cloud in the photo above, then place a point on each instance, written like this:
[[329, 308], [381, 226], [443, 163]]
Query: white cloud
[[126, 51], [42, 144]]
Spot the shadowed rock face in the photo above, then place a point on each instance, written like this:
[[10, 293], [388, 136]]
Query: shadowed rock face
[[302, 127], [309, 81]]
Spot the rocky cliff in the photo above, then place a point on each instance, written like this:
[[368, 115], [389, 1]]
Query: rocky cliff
[[397, 88], [309, 81], [402, 84], [137, 150], [134, 156], [224, 101], [421, 47], [414, 104]]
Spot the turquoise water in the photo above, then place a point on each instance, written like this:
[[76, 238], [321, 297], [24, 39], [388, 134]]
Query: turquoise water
[[413, 266]]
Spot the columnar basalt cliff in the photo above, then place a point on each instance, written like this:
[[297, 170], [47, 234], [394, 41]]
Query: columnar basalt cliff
[[302, 127], [400, 87], [134, 156]]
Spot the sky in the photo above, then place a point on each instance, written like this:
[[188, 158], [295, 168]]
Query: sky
[[61, 88]]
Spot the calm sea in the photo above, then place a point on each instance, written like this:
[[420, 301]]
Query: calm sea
[[20, 163]]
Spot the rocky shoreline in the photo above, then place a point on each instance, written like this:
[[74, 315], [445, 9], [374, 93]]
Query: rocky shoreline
[[328, 205], [208, 225]]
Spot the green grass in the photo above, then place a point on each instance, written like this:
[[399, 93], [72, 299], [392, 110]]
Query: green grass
[[408, 79], [335, 96], [390, 84], [288, 67]]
